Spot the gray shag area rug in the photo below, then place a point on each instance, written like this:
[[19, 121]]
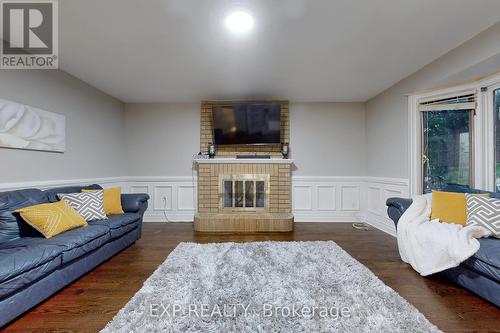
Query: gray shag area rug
[[266, 287]]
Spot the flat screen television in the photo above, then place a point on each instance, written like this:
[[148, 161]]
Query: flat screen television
[[248, 124]]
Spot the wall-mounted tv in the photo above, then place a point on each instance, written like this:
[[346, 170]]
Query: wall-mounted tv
[[248, 124]]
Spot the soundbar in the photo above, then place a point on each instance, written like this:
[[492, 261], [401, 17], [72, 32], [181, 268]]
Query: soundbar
[[253, 157]]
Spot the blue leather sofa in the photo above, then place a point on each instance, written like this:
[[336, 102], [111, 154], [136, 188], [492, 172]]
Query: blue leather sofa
[[32, 268], [480, 273]]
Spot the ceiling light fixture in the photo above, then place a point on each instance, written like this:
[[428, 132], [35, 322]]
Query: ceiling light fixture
[[239, 21]]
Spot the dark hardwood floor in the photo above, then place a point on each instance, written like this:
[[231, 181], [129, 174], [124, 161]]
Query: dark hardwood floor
[[90, 302]]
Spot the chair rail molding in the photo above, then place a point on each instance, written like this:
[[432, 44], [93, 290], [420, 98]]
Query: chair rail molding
[[314, 198], [105, 182]]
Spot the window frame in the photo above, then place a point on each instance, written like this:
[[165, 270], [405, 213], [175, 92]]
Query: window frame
[[490, 133], [483, 129], [471, 115]]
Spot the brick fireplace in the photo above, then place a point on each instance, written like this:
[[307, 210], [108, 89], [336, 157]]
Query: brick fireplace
[[243, 195], [237, 195]]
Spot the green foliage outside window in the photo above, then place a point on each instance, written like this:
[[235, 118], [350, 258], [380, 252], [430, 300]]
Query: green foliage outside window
[[447, 148]]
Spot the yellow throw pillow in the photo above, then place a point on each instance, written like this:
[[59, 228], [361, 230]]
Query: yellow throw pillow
[[450, 207], [112, 200], [52, 218]]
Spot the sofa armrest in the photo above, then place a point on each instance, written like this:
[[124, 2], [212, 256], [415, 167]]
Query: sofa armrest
[[134, 202], [396, 207]]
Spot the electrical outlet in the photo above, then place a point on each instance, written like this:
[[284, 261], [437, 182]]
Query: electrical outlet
[[163, 197]]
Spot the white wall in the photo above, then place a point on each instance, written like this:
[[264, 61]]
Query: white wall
[[94, 128], [387, 113], [326, 139]]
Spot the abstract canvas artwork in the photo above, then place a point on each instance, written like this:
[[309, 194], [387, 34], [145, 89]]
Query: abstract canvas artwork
[[27, 127]]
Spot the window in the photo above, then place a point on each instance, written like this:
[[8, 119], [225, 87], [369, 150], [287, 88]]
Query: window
[[454, 142], [447, 142], [496, 110]]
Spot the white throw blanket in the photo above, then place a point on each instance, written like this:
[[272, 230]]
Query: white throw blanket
[[431, 246]]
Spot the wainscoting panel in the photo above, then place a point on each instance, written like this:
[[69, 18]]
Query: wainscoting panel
[[162, 197], [172, 198], [326, 199], [377, 191], [315, 199], [373, 205], [350, 197], [186, 195], [302, 197], [137, 189]]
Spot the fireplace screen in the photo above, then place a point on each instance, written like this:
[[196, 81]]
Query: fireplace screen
[[244, 192]]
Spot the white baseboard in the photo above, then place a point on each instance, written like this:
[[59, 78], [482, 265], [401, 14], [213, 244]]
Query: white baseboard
[[171, 217], [327, 218], [314, 199]]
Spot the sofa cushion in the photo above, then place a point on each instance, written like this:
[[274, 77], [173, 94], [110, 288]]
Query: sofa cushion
[[73, 243], [18, 256], [119, 224], [112, 200], [51, 219], [118, 232], [12, 225], [80, 241], [486, 260], [449, 207], [484, 212], [90, 205], [22, 263]]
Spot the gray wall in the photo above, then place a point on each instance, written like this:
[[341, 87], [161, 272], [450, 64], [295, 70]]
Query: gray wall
[[94, 128], [327, 139], [161, 138], [387, 113]]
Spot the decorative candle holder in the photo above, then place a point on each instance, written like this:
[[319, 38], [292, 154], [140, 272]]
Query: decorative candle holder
[[211, 150], [285, 150]]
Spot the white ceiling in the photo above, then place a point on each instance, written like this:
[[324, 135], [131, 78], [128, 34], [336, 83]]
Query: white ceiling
[[300, 50]]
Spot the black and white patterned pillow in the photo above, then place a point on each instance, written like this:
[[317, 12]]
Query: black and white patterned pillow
[[485, 212], [90, 205]]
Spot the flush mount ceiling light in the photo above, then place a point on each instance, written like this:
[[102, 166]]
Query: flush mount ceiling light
[[239, 21]]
